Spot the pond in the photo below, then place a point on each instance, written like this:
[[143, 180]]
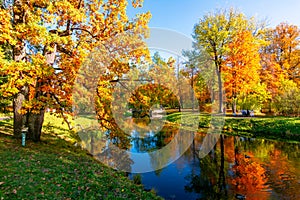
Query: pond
[[236, 168]]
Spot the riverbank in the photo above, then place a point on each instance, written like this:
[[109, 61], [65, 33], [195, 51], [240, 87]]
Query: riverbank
[[274, 127], [55, 168]]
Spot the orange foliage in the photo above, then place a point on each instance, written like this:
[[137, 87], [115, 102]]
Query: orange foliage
[[250, 176], [242, 65], [51, 39], [229, 149]]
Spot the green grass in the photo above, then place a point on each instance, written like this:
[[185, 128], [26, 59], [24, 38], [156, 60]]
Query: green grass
[[55, 169], [279, 128]]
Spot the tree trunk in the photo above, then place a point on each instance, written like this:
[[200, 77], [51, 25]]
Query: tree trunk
[[18, 117], [36, 117], [220, 91], [270, 106], [233, 105], [36, 120], [19, 53], [35, 124], [193, 92]]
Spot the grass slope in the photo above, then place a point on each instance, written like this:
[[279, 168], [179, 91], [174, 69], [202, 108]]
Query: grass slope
[[55, 169]]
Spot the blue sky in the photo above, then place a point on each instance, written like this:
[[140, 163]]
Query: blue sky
[[181, 15]]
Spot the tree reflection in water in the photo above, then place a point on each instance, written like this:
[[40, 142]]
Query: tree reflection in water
[[210, 183], [247, 168], [114, 148], [237, 167], [106, 149]]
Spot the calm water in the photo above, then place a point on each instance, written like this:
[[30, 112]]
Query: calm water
[[238, 167]]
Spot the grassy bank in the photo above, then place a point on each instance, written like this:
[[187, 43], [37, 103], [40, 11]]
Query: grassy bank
[[280, 128], [55, 169]]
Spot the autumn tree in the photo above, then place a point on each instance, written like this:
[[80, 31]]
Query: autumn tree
[[213, 33], [241, 69], [157, 80], [138, 87], [285, 42], [5, 49], [280, 58], [49, 41], [287, 101], [270, 74]]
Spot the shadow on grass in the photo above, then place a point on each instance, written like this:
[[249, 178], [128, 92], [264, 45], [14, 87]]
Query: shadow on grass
[[60, 132]]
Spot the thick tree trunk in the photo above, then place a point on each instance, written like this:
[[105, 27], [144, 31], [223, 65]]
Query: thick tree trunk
[[270, 106], [36, 117], [18, 116], [35, 124], [36, 120]]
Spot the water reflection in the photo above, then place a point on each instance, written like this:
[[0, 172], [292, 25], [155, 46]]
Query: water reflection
[[248, 168], [104, 149], [236, 168], [144, 150]]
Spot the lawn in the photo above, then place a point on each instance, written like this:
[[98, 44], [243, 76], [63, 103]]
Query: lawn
[[56, 169], [279, 128]]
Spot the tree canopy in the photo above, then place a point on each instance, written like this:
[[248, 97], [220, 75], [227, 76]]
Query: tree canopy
[[49, 41]]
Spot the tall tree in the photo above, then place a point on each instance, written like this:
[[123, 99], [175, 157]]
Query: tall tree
[[270, 74], [285, 43], [213, 33], [280, 58], [50, 40], [242, 67]]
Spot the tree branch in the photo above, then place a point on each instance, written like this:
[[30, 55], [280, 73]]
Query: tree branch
[[63, 50], [84, 30], [61, 111]]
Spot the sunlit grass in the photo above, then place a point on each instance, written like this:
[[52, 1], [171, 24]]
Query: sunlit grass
[[55, 169], [280, 128], [85, 121]]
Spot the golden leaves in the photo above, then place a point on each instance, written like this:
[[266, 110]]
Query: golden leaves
[[137, 3], [76, 30], [241, 70], [5, 27]]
